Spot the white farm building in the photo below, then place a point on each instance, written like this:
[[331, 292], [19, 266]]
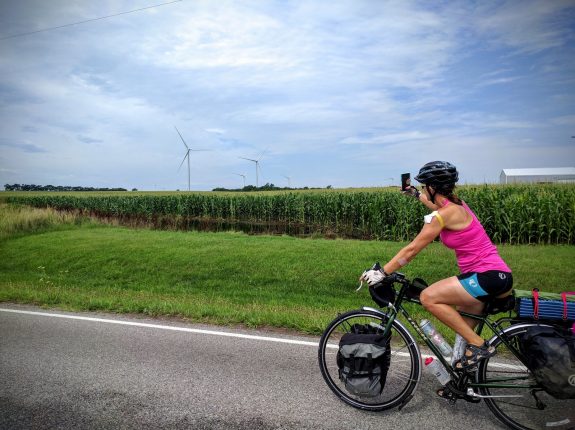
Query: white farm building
[[538, 175]]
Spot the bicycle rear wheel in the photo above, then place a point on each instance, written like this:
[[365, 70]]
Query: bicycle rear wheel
[[404, 370], [530, 408]]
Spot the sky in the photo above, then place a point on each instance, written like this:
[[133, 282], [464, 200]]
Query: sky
[[341, 93]]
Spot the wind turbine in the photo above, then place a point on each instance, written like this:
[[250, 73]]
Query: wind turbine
[[289, 180], [243, 176], [188, 150], [257, 165]]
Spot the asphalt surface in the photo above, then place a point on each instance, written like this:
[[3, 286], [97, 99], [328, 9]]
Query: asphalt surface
[[60, 373]]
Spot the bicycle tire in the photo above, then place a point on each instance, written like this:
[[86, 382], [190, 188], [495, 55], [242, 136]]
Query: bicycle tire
[[521, 413], [404, 371]]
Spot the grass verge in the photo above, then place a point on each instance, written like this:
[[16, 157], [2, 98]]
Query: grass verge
[[224, 278]]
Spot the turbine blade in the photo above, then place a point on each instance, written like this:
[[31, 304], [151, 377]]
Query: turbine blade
[[187, 147], [250, 159], [185, 156], [262, 154]]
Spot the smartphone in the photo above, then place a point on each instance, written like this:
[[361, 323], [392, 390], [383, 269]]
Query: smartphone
[[405, 181]]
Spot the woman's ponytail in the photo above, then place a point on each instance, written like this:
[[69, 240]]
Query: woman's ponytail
[[447, 191]]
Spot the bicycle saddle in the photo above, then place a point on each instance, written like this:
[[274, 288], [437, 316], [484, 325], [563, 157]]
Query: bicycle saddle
[[498, 305]]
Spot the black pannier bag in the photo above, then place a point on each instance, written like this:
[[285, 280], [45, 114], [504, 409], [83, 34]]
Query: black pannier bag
[[363, 359], [550, 354]]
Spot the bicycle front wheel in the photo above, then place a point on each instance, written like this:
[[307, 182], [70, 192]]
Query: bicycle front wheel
[[405, 366], [527, 407]]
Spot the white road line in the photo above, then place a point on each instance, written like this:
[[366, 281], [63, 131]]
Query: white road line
[[201, 331], [165, 327]]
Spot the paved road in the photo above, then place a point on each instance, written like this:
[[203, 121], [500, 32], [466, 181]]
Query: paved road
[[58, 373]]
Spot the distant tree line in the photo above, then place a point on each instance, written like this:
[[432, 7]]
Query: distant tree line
[[33, 187], [266, 187]]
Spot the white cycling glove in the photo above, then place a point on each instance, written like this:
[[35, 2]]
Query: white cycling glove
[[374, 275]]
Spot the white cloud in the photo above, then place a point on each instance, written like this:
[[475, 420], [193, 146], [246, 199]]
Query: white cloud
[[384, 139], [224, 35], [327, 86], [215, 130], [498, 81], [528, 26], [564, 120]]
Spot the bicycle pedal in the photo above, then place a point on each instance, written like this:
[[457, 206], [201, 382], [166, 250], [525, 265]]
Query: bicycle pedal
[[447, 394]]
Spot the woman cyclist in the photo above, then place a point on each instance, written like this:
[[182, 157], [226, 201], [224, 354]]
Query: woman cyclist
[[483, 273]]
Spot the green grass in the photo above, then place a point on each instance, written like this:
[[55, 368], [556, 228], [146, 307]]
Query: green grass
[[224, 278]]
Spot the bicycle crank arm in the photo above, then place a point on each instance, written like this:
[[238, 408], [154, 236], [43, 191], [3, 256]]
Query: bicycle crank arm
[[472, 393]]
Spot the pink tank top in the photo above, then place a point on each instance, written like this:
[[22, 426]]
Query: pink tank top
[[474, 250]]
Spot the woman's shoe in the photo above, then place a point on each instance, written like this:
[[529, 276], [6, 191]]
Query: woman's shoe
[[473, 355]]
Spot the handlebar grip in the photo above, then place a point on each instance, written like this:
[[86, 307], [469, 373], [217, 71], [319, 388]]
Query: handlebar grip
[[384, 299]]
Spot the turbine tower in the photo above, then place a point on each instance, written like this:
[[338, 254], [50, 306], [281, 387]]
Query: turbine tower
[[187, 156], [289, 180], [257, 162], [243, 176]]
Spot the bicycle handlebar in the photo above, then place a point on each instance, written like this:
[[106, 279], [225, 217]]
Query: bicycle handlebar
[[413, 288]]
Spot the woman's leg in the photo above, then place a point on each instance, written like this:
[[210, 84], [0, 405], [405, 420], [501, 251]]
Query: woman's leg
[[473, 309], [438, 299]]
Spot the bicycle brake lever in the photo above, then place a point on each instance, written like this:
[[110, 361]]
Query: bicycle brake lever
[[360, 285]]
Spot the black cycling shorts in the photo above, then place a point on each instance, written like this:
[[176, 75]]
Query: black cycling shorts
[[486, 285]]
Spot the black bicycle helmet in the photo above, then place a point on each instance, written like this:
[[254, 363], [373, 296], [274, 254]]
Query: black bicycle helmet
[[438, 174]]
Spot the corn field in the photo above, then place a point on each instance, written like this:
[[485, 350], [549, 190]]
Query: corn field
[[514, 214]]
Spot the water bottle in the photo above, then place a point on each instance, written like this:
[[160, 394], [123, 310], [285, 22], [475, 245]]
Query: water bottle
[[458, 349], [435, 337], [435, 367]]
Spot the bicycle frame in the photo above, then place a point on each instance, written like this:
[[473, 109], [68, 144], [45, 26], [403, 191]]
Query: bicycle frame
[[395, 309]]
